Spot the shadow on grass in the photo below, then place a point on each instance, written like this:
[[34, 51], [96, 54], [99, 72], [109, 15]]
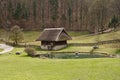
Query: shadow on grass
[[24, 56]]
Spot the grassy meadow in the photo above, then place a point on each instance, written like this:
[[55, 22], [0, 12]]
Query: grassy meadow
[[80, 37], [14, 67], [77, 37], [1, 50], [22, 67]]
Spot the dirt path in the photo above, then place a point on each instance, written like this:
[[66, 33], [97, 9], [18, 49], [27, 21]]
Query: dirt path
[[5, 48]]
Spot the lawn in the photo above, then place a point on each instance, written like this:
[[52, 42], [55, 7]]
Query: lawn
[[88, 38], [77, 37], [14, 67], [1, 50], [22, 67]]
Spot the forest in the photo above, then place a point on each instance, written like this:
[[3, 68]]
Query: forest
[[77, 15]]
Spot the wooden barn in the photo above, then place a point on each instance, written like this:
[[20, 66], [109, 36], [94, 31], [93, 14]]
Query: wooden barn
[[54, 38]]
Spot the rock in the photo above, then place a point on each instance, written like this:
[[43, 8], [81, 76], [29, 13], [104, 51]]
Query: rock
[[117, 56], [95, 47], [18, 53]]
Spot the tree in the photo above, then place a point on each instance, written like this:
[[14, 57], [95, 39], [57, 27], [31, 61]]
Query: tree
[[54, 11], [16, 34], [114, 22], [90, 15], [116, 7], [25, 12], [100, 12], [42, 13], [17, 13], [34, 9], [70, 13]]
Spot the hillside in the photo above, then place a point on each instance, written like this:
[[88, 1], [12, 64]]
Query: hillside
[[22, 67], [77, 38], [92, 38]]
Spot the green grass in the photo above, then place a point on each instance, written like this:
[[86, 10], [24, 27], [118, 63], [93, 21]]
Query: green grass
[[22, 67], [31, 36], [13, 67], [1, 50], [67, 49], [77, 37], [93, 38], [81, 37], [2, 33], [77, 33]]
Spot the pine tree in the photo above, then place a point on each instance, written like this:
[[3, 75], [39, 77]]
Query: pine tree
[[34, 9], [114, 22], [25, 13], [17, 12], [54, 9]]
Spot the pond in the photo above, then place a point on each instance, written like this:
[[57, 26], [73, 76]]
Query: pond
[[77, 56]]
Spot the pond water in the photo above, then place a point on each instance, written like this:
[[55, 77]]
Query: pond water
[[77, 56]]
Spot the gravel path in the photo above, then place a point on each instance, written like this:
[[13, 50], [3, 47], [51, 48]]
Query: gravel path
[[5, 48]]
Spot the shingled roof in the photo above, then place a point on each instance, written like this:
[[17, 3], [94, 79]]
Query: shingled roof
[[54, 34]]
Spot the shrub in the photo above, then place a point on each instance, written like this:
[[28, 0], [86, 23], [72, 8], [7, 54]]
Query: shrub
[[117, 51], [30, 52], [92, 51]]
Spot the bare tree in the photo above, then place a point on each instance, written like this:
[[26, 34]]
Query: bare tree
[[91, 15], [16, 34]]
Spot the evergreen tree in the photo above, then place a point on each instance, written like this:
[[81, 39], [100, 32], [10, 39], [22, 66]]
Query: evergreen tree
[[10, 9], [42, 13], [34, 9], [25, 13], [54, 9], [18, 11], [114, 22]]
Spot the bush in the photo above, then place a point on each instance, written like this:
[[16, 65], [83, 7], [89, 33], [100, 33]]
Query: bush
[[30, 52], [117, 51]]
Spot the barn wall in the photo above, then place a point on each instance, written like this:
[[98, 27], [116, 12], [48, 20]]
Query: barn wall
[[61, 43], [57, 47]]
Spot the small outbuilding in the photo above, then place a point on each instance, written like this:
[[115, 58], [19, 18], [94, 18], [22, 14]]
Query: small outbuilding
[[54, 38]]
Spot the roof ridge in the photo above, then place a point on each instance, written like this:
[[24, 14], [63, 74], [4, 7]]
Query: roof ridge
[[59, 35], [54, 29]]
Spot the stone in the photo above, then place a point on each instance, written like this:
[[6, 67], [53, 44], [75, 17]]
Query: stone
[[18, 53]]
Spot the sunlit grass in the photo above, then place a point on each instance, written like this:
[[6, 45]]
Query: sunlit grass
[[93, 38], [77, 37], [1, 50], [21, 67], [31, 36]]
